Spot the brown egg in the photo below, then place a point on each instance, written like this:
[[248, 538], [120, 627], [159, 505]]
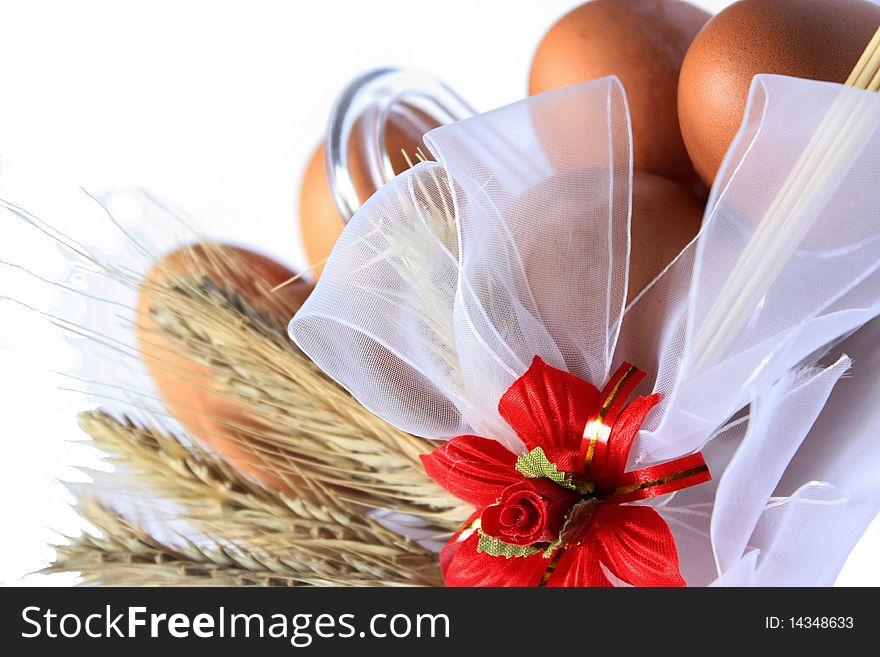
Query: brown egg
[[643, 42], [190, 390], [320, 221], [666, 216], [814, 39]]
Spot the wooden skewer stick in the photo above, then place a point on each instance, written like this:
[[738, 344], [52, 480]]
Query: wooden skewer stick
[[820, 170], [866, 61], [875, 82]]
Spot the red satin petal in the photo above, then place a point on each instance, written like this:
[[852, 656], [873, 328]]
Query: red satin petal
[[474, 469], [549, 408], [447, 555], [579, 566], [471, 568], [636, 545], [455, 542], [609, 407], [612, 461], [652, 481]]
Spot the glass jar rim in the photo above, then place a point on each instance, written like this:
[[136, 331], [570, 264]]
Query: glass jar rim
[[372, 98]]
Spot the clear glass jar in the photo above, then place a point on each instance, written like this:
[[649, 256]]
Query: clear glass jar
[[374, 115]]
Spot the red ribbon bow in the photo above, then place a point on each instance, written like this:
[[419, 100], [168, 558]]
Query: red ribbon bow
[[586, 437]]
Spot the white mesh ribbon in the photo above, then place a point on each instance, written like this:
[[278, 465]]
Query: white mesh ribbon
[[449, 281], [763, 296], [515, 243]]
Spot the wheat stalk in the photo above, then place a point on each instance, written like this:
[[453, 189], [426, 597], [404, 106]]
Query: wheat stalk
[[247, 533], [338, 461], [304, 424], [126, 556]]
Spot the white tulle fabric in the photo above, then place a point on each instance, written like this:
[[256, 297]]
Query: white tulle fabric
[[515, 243]]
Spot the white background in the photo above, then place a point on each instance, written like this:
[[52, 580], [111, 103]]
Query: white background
[[215, 107]]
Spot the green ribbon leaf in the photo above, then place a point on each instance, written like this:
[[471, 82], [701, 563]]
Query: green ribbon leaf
[[535, 464], [575, 521], [498, 548]]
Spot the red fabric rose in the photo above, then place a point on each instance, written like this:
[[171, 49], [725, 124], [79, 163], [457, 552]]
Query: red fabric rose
[[586, 434], [529, 512]]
